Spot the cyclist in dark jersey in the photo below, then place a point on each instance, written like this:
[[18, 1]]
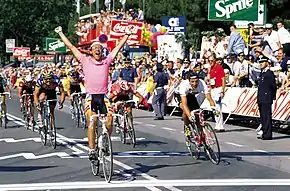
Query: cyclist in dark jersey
[[46, 88]]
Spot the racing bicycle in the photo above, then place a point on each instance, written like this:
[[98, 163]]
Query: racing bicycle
[[3, 114], [27, 111], [200, 134], [48, 127], [123, 122], [79, 110], [104, 151]]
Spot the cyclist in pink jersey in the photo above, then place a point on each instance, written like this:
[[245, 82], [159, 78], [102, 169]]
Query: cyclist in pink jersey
[[96, 71]]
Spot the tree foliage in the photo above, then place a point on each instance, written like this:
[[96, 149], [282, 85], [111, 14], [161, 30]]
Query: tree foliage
[[30, 21]]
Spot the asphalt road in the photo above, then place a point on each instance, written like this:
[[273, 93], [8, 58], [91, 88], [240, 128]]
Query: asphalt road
[[160, 160]]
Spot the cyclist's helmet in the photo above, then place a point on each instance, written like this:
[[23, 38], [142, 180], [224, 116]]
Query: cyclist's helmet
[[28, 78], [74, 74], [47, 75], [124, 85]]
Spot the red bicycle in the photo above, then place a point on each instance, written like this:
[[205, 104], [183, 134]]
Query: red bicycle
[[200, 134]]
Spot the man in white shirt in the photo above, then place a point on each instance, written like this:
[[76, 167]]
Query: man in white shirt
[[284, 37], [272, 38]]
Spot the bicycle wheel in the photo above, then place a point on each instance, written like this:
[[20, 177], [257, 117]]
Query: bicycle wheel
[[131, 130], [210, 141], [107, 157], [123, 129], [43, 132], [95, 167], [83, 116], [4, 119], [52, 132], [77, 114], [191, 138]]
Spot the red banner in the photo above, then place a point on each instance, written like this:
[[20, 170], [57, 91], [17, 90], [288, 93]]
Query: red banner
[[44, 58], [21, 51], [119, 28]]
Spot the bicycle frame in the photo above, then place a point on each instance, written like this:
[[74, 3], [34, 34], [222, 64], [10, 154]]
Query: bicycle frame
[[201, 134]]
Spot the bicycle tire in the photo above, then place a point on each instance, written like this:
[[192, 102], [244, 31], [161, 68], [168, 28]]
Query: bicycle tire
[[107, 155], [43, 134], [4, 118], [191, 142], [95, 167], [123, 131], [52, 132], [208, 149], [1, 121], [83, 116], [131, 131]]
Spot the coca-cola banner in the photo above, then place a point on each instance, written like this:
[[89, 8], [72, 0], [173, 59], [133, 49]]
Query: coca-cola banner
[[21, 51], [119, 28]]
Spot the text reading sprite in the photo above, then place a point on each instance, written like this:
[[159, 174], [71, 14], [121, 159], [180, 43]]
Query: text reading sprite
[[226, 10], [55, 45]]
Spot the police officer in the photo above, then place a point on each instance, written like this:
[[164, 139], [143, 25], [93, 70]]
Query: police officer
[[266, 94], [159, 98], [128, 73]]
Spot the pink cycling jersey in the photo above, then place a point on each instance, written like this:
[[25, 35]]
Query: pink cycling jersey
[[96, 73]]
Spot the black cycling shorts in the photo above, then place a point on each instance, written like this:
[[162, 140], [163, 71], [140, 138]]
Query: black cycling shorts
[[50, 94], [98, 104], [75, 89], [192, 102]]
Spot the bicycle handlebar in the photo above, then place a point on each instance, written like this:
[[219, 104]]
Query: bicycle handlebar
[[5, 93], [122, 102], [23, 95], [75, 94]]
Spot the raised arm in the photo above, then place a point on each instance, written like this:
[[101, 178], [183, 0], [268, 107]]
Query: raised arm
[[66, 41], [120, 45]]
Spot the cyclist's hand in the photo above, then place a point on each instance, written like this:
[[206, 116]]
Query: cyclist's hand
[[58, 29], [191, 118], [10, 96], [38, 108], [60, 106]]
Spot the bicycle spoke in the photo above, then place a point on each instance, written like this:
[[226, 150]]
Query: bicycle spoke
[[107, 157], [211, 143]]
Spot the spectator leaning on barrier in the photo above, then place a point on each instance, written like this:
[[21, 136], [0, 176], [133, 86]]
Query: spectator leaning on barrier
[[266, 95], [236, 43], [284, 37], [217, 84]]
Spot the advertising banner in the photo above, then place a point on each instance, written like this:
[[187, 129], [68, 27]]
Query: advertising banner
[[174, 24], [232, 10], [119, 28], [21, 51], [10, 44], [169, 48], [55, 45], [238, 101]]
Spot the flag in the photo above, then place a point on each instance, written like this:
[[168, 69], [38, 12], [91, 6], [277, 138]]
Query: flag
[[91, 2], [123, 2], [108, 3], [78, 6]]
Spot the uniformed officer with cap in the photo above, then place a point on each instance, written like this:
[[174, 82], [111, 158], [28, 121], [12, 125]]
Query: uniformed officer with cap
[[128, 73], [159, 98], [266, 94]]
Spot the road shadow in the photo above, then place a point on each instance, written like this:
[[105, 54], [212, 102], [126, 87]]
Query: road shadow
[[13, 126], [146, 168], [281, 137], [23, 168], [238, 130], [145, 143]]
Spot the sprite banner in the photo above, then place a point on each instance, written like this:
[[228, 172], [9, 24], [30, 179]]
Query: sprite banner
[[233, 10], [54, 45]]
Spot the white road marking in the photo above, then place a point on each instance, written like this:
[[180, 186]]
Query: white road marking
[[138, 122], [234, 144], [113, 138], [150, 125], [31, 156], [12, 140], [169, 129], [147, 183], [85, 148], [263, 151]]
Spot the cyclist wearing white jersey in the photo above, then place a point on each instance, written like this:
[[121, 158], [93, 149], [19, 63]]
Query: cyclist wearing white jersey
[[190, 94]]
